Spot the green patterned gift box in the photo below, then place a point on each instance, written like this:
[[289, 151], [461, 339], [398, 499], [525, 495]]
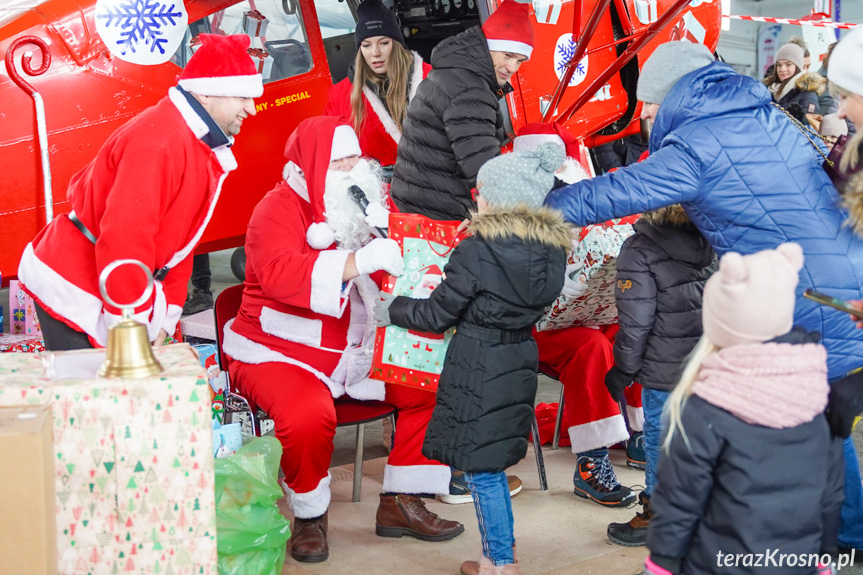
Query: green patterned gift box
[[134, 467]]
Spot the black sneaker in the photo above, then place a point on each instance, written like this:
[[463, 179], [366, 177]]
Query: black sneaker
[[459, 492], [635, 456], [198, 301], [594, 479]]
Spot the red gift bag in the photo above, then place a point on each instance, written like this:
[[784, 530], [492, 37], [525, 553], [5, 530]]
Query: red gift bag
[[404, 356]]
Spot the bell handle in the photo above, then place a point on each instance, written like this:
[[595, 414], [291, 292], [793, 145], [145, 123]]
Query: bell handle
[[128, 309]]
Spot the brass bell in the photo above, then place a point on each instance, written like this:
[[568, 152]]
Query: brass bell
[[128, 353]]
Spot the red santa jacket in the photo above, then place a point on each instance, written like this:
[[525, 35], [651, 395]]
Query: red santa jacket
[[295, 307], [379, 136], [148, 195]]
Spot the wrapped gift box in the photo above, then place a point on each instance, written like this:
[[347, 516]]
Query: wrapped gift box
[[133, 463], [201, 325], [22, 319], [20, 343], [255, 23], [597, 248], [263, 62]]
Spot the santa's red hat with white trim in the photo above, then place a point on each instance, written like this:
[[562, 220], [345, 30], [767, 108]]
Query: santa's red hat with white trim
[[531, 136], [508, 29], [222, 67], [314, 144]]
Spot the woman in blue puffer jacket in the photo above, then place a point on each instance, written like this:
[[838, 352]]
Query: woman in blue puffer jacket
[[750, 180]]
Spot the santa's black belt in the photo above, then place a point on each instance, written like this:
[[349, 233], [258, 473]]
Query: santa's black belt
[[494, 335], [158, 275]]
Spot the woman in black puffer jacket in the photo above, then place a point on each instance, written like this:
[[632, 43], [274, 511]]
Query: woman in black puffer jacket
[[794, 89], [453, 126]]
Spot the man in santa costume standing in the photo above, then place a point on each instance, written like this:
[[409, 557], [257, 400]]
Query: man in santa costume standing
[[148, 196], [582, 356], [304, 335]]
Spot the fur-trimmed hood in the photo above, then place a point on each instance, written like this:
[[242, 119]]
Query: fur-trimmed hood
[[673, 215], [812, 82], [544, 225]]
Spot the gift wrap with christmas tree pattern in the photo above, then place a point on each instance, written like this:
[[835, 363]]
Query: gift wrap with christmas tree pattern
[[134, 465], [597, 248]]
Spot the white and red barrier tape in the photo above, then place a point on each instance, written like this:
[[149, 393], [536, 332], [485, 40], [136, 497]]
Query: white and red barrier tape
[[841, 25]]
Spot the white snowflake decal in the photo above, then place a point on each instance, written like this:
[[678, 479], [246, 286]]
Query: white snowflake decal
[[141, 31], [563, 53]]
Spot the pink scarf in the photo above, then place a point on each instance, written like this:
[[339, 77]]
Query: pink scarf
[[776, 385]]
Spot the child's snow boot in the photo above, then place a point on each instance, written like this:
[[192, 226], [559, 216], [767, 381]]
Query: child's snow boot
[[634, 533]]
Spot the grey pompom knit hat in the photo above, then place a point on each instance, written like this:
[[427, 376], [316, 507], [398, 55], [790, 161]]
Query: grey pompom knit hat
[[667, 65], [520, 177]]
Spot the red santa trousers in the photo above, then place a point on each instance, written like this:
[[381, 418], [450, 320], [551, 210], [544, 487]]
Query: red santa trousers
[[582, 356], [302, 409]]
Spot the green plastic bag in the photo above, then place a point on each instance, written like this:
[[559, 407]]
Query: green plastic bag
[[251, 533]]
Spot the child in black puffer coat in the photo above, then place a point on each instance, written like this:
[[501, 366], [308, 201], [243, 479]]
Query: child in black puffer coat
[[497, 285], [661, 271]]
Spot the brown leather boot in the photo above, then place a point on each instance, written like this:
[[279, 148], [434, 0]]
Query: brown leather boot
[[404, 514], [309, 540]]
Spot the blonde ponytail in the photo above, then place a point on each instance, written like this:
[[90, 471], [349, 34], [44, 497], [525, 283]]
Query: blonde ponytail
[[671, 413]]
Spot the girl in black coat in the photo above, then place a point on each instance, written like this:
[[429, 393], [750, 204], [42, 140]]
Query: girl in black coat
[[750, 477], [497, 285]]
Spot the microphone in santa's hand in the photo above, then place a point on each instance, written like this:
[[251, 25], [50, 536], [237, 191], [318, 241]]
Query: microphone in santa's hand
[[359, 196]]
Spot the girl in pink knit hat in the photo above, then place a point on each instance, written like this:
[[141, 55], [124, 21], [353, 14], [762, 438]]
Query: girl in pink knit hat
[[750, 477]]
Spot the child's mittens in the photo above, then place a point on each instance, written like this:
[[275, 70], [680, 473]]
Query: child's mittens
[[381, 313], [616, 381]]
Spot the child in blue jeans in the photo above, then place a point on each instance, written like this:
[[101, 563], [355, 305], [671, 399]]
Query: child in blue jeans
[[497, 284], [661, 271]]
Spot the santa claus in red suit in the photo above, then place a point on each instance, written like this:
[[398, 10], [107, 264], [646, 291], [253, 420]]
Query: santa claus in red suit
[[148, 196], [381, 82], [304, 335], [582, 356]]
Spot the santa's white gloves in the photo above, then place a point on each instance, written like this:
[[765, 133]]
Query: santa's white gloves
[[377, 216], [381, 313], [380, 254], [572, 286]]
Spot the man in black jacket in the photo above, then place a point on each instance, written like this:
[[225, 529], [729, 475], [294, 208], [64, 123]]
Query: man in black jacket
[[454, 123]]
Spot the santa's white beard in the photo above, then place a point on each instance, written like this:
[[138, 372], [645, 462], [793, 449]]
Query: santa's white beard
[[572, 172], [343, 214]]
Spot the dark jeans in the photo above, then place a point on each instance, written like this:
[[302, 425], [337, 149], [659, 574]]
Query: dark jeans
[[201, 272], [57, 335]]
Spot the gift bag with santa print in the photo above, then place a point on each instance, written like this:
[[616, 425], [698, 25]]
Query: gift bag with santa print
[[405, 356], [587, 298]]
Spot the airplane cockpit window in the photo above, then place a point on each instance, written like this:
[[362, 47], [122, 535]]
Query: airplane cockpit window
[[279, 45]]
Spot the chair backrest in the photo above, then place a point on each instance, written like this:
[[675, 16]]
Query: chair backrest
[[226, 308]]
